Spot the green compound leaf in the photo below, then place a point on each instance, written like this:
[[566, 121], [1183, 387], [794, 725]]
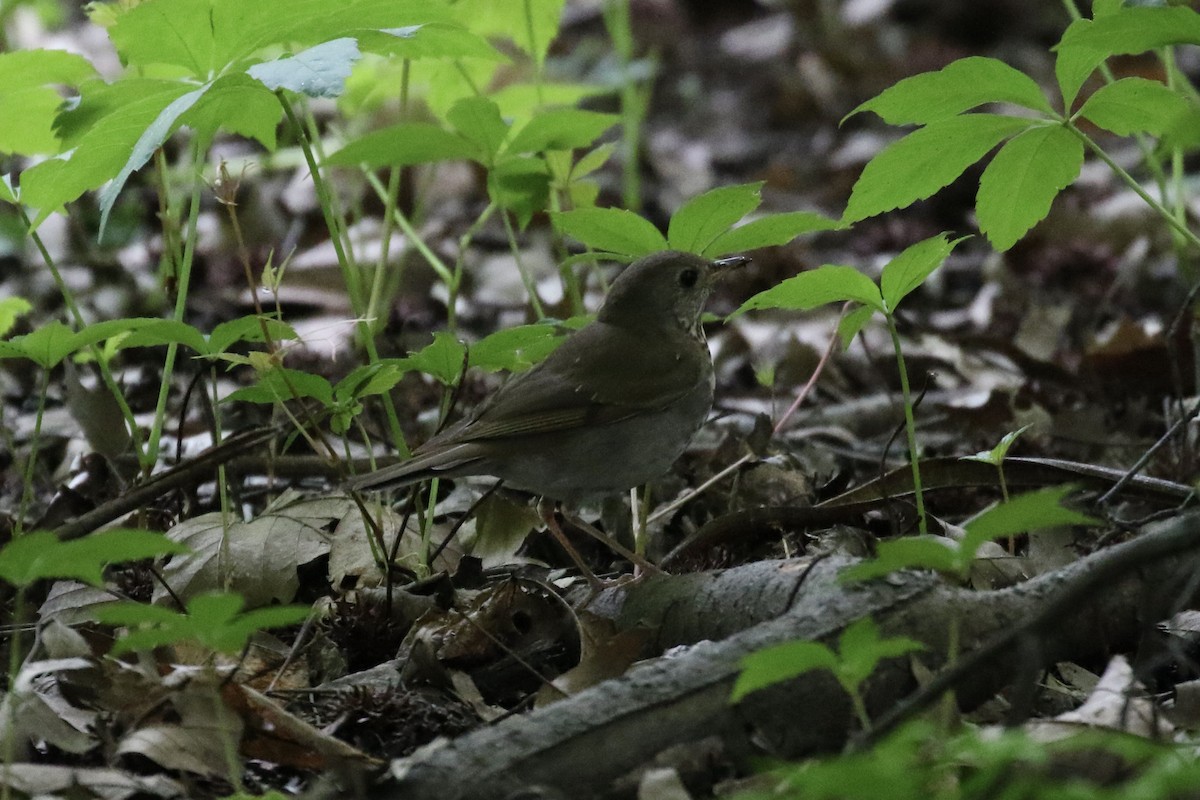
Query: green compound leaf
[[1135, 105], [772, 230], [319, 71], [405, 144], [911, 267], [831, 283], [779, 663], [958, 87], [429, 40], [477, 119], [515, 349], [28, 82], [151, 139], [40, 555], [101, 148], [236, 104], [1017, 188], [699, 221], [561, 129], [925, 161], [1025, 512], [176, 32], [1087, 43], [860, 649], [443, 359], [614, 230]]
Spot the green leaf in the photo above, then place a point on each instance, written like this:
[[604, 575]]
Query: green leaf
[[27, 82], [1135, 105], [282, 384], [50, 344], [772, 230], [860, 649], [523, 99], [592, 161], [429, 40], [957, 87], [319, 71], [150, 140], [908, 552], [705, 217], [997, 454], [779, 663], [211, 619], [515, 349], [1025, 512], [1017, 188], [1183, 132], [243, 28], [405, 144], [443, 359], [101, 151], [248, 329], [40, 555], [926, 160], [614, 230], [910, 268], [176, 32], [478, 120], [1086, 43], [561, 129], [368, 380], [10, 309], [534, 26], [830, 283], [237, 104], [520, 184], [852, 323], [167, 331]]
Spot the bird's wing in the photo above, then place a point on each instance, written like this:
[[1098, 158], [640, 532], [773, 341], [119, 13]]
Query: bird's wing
[[421, 466], [582, 383]]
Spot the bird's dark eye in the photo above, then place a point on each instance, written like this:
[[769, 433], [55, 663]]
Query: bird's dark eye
[[688, 278]]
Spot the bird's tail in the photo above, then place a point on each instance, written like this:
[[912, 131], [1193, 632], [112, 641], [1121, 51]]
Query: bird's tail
[[448, 461]]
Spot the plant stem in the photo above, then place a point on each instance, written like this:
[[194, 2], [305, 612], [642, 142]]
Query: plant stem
[[68, 297], [349, 272], [31, 460], [910, 426], [617, 21], [181, 293], [1129, 181]]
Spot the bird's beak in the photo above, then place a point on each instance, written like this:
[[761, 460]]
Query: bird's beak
[[723, 265]]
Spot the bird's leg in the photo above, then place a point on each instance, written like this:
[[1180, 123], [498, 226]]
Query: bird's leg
[[548, 512], [638, 561]]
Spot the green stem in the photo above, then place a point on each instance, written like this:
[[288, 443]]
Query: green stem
[[349, 273], [68, 297], [617, 21], [1129, 181], [533, 51], [381, 286], [526, 278], [860, 709], [433, 259], [910, 425], [1143, 144], [31, 460], [183, 279]]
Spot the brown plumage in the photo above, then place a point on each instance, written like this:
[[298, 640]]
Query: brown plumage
[[611, 408]]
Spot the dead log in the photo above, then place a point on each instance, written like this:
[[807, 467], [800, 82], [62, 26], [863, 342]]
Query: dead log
[[579, 746]]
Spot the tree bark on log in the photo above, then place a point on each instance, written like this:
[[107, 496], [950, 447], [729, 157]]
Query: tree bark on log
[[579, 746]]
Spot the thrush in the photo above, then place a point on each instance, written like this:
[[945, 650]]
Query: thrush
[[612, 408]]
